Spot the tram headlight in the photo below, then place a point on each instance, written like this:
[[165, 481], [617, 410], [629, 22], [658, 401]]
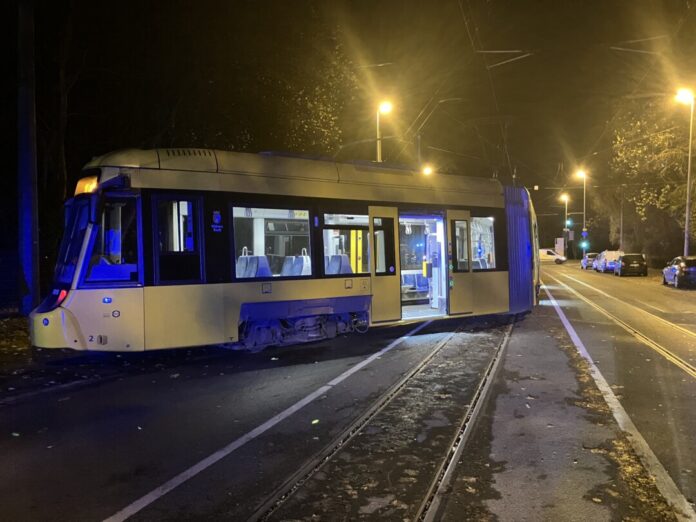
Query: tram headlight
[[87, 185]]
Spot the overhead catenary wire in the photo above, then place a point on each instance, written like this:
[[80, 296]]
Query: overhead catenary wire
[[475, 47]]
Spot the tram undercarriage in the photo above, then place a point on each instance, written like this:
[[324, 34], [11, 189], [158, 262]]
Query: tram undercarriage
[[255, 335]]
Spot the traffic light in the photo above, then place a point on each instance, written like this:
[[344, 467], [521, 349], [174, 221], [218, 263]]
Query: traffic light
[[585, 245], [569, 222]]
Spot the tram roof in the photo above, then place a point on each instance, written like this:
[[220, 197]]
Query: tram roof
[[272, 173]]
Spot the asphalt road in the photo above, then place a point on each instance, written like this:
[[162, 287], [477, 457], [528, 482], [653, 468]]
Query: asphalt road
[[212, 435], [90, 452], [642, 336]]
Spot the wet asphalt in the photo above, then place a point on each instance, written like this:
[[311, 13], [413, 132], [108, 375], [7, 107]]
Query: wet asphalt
[[86, 453], [658, 395], [86, 450]]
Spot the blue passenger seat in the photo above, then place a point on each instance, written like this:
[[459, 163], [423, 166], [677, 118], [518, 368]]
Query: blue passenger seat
[[288, 266], [334, 265], [339, 264], [408, 280], [302, 266], [257, 266], [241, 267], [421, 282], [262, 268], [345, 265], [251, 266]]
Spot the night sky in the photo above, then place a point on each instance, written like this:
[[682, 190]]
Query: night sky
[[243, 75]]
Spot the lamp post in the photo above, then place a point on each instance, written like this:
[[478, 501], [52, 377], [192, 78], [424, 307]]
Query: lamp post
[[384, 108], [582, 174], [565, 198], [686, 96]]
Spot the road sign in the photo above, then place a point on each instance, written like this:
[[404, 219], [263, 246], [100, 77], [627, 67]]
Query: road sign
[[584, 232]]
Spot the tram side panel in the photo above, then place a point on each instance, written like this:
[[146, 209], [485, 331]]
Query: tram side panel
[[521, 249]]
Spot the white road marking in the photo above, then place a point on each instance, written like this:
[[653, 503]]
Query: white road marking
[[647, 341], [664, 321], [660, 309], [194, 470], [663, 481]]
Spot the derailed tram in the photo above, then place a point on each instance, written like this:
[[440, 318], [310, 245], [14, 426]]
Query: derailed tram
[[175, 248]]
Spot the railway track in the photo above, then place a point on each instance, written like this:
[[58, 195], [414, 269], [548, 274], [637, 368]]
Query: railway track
[[665, 352], [430, 502]]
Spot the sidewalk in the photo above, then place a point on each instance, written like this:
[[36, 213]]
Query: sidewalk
[[546, 446]]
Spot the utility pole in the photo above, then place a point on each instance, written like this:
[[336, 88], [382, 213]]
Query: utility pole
[[687, 212], [28, 244]]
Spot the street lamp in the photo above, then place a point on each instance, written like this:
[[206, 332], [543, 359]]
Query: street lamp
[[385, 107], [565, 198], [582, 174], [686, 96], [427, 170]]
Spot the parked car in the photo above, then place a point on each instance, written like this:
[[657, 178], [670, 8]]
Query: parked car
[[546, 254], [628, 264], [606, 260], [680, 272], [587, 259]]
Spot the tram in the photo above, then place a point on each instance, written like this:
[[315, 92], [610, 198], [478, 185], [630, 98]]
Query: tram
[[173, 248]]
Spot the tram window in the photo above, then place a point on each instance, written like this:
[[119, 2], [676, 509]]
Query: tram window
[[114, 255], [271, 243], [179, 257], [385, 262], [461, 246], [176, 227], [346, 251], [412, 245], [482, 243], [76, 219]]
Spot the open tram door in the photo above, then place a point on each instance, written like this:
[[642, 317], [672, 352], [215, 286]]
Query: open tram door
[[460, 298], [384, 264]]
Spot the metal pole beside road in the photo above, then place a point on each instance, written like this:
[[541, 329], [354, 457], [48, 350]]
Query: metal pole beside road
[[688, 182]]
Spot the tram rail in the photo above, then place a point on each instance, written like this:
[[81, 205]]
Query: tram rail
[[669, 355], [433, 501]]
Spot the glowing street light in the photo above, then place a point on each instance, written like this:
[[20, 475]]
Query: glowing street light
[[385, 107], [686, 96], [427, 170]]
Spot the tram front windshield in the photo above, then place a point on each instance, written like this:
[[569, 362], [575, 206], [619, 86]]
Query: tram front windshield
[[76, 219]]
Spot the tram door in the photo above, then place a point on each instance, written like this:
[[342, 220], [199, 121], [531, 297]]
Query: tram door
[[461, 300], [384, 264]]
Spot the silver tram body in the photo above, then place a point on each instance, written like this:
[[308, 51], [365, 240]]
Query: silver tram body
[[185, 247]]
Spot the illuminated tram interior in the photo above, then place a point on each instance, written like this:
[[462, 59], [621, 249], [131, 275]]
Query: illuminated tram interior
[[423, 274]]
